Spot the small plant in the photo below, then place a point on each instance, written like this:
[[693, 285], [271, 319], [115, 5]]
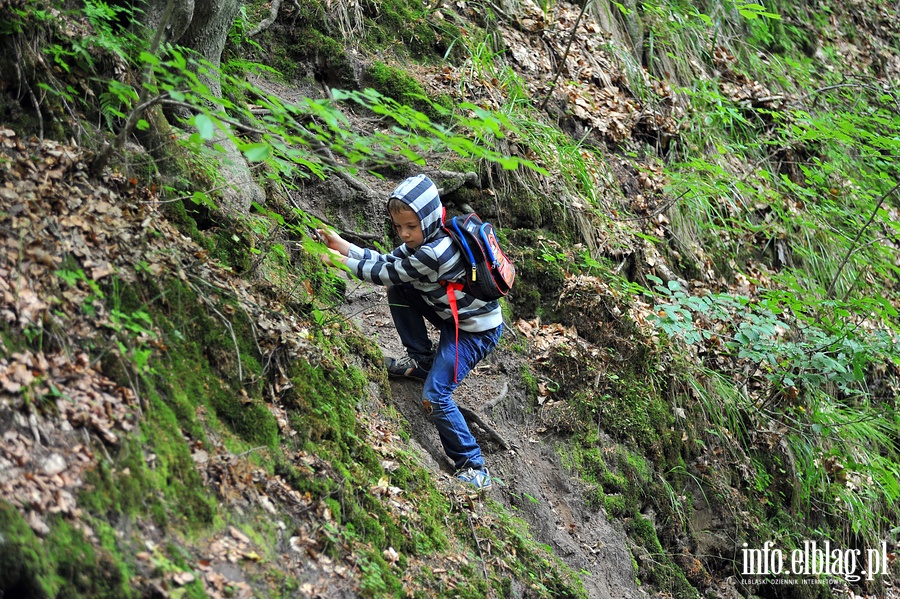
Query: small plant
[[77, 278]]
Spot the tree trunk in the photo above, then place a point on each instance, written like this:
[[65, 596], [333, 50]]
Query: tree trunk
[[207, 32], [203, 26], [207, 35], [177, 24]]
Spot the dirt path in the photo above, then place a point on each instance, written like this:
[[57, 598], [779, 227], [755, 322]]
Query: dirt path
[[528, 477]]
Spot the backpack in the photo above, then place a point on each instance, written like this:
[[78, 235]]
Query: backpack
[[490, 273]]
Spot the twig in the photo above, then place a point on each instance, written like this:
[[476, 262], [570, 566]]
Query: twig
[[477, 545], [220, 187], [565, 55], [228, 326], [23, 81], [249, 451], [308, 137], [830, 290], [267, 22], [474, 417], [653, 214], [829, 88]]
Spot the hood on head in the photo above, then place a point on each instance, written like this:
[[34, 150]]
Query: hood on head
[[421, 195]]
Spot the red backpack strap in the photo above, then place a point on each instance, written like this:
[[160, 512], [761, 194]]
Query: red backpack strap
[[452, 287]]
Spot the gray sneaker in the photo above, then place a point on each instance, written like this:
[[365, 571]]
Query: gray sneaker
[[405, 367], [479, 477]]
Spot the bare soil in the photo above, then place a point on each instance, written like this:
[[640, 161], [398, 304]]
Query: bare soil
[[529, 478]]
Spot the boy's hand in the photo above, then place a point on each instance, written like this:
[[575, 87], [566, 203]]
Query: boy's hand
[[332, 258], [334, 241]]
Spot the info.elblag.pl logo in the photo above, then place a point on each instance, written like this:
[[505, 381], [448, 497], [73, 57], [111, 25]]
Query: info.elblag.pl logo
[[813, 559]]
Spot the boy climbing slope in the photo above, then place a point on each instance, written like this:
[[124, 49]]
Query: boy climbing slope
[[413, 273]]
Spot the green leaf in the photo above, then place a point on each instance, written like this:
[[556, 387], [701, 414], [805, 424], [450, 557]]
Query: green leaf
[[204, 200], [148, 58], [256, 152], [205, 126]]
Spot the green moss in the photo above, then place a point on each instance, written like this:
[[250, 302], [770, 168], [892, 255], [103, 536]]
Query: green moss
[[397, 84], [202, 363], [322, 410], [539, 281], [63, 565], [232, 248], [529, 382], [308, 41], [422, 37], [22, 563], [615, 506], [535, 564], [128, 490], [530, 211], [166, 486], [377, 578], [658, 569], [174, 469], [80, 569]]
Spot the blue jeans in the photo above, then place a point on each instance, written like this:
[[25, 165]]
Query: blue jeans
[[409, 312]]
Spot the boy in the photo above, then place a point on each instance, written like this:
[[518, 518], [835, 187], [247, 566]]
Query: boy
[[413, 273]]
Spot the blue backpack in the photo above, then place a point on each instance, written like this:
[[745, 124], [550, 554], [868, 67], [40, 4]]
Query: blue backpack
[[490, 273]]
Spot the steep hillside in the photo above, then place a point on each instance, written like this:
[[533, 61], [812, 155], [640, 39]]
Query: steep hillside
[[698, 384]]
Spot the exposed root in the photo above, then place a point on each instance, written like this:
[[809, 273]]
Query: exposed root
[[472, 416], [267, 22]]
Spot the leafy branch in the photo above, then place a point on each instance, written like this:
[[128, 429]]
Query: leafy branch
[[829, 292], [102, 159]]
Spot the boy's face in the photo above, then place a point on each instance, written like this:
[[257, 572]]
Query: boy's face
[[408, 227]]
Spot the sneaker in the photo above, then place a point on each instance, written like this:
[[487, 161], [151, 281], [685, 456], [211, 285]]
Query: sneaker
[[406, 367], [476, 476]]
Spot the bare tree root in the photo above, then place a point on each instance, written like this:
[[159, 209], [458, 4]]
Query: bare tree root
[[491, 403], [267, 22], [473, 416]]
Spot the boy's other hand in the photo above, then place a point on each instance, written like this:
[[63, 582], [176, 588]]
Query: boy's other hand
[[334, 241], [332, 258]]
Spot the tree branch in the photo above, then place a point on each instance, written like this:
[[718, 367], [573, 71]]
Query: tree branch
[[850, 251], [562, 62], [489, 405], [321, 150]]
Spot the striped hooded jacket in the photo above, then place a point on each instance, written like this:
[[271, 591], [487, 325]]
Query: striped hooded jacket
[[437, 259]]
